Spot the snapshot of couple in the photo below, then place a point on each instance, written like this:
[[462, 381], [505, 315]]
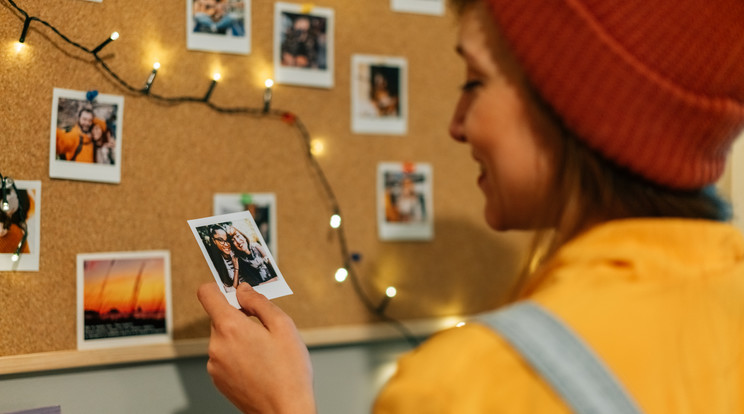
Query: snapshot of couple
[[220, 17], [86, 135], [86, 132], [236, 253], [237, 257]]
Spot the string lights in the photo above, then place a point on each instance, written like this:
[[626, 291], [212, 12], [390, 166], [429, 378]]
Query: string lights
[[344, 273], [151, 78]]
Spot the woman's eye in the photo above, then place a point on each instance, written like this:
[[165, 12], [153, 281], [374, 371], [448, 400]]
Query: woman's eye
[[470, 85]]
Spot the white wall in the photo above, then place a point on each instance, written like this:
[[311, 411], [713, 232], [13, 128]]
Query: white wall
[[346, 380]]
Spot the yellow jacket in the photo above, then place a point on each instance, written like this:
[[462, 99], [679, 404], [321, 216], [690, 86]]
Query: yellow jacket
[[660, 301]]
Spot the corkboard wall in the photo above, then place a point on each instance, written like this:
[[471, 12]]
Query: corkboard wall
[[175, 157]]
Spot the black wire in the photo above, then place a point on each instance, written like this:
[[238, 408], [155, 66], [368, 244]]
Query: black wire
[[289, 117]]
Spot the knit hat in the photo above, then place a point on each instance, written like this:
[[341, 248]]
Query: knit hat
[[656, 86]]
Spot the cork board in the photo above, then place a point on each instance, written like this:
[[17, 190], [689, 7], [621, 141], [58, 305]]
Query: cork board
[[175, 157]]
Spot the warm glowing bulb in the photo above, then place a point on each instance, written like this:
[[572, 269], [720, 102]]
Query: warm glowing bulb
[[341, 274], [216, 77], [269, 83], [15, 257], [6, 206], [460, 324], [18, 47], [390, 292], [316, 147], [114, 35], [335, 221], [156, 65]]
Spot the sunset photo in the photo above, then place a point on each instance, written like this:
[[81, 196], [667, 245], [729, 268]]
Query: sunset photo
[[124, 298]]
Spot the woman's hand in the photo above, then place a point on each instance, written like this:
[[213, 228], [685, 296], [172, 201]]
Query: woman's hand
[[260, 367]]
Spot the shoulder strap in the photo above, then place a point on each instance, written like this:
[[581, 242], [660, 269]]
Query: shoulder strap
[[561, 357], [78, 149]]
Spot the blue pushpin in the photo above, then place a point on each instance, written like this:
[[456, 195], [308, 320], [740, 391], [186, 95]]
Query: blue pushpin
[[91, 95]]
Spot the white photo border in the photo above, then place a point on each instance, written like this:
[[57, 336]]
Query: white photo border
[[432, 7], [422, 231], [262, 199], [86, 171], [301, 76], [378, 125], [207, 42], [271, 290], [135, 340], [28, 262]]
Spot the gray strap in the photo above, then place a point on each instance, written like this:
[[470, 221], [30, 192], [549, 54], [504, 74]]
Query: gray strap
[[562, 359]]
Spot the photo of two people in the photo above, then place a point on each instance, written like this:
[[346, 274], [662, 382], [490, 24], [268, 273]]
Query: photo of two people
[[236, 256], [236, 253]]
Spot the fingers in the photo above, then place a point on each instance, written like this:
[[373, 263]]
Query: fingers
[[256, 304], [214, 302]]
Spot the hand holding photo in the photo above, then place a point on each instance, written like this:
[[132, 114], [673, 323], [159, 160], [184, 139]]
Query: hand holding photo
[[237, 253]]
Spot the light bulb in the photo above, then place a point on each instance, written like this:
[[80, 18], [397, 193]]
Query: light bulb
[[156, 65], [269, 83], [335, 221], [15, 257], [341, 274], [216, 76], [114, 35], [391, 291]]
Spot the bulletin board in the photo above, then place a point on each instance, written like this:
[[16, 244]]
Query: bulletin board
[[176, 156]]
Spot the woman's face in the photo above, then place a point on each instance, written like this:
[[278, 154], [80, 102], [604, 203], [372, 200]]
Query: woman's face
[[240, 242], [512, 140]]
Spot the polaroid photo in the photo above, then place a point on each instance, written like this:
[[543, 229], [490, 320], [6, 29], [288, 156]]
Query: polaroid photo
[[86, 136], [404, 201], [20, 226], [433, 7], [263, 210], [379, 95], [303, 45], [219, 26], [123, 299], [237, 253]]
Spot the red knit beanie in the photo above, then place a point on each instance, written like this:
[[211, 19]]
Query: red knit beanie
[[656, 86]]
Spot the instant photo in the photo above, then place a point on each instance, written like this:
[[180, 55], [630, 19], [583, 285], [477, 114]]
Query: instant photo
[[219, 26], [20, 227], [236, 253], [262, 207], [404, 196], [86, 136], [379, 95], [124, 299], [303, 45], [433, 7]]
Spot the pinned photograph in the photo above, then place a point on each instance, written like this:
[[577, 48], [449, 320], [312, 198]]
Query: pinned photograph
[[124, 299], [236, 253], [404, 201], [262, 207], [303, 45], [433, 7], [219, 26], [20, 225], [86, 136], [379, 95]]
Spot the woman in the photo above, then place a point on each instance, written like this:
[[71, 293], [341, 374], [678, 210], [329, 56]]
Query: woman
[[603, 130], [252, 262]]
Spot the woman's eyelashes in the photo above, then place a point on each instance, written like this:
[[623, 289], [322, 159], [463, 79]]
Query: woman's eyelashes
[[470, 85]]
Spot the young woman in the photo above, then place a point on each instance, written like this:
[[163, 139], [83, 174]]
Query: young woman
[[601, 124]]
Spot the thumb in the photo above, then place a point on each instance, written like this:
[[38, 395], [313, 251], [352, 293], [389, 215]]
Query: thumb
[[256, 304]]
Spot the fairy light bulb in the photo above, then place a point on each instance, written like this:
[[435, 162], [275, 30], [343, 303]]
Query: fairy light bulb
[[391, 292], [216, 76], [15, 257], [316, 147], [341, 274], [6, 206], [335, 221]]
